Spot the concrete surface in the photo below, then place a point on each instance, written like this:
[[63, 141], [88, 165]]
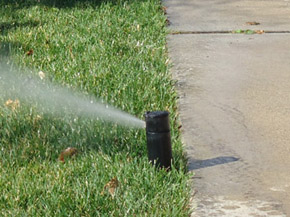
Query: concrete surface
[[235, 111], [224, 15]]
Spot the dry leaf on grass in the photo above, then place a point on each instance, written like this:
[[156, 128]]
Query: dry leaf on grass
[[12, 104], [36, 119], [71, 53], [69, 152], [111, 187], [30, 52]]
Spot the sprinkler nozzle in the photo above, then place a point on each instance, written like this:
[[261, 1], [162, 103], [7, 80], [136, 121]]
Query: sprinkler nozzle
[[158, 138]]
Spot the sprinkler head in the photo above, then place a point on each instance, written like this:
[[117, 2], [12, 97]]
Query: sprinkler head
[[158, 138]]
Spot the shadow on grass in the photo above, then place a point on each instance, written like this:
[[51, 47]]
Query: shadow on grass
[[60, 3], [52, 3], [6, 26], [5, 49]]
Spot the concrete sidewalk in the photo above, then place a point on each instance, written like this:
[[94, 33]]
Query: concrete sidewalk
[[235, 103]]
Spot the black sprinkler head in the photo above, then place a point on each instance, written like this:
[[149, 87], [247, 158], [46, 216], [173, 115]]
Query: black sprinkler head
[[158, 138]]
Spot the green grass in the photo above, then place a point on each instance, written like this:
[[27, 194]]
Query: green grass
[[116, 51]]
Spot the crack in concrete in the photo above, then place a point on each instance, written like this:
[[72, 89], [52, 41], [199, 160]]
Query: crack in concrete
[[225, 32]]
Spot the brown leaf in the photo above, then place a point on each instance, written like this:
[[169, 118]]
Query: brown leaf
[[260, 31], [12, 104], [164, 9], [253, 23], [8, 102], [71, 53], [69, 152], [167, 21], [30, 52], [111, 187]]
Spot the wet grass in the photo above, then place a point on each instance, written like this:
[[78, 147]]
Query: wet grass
[[116, 51]]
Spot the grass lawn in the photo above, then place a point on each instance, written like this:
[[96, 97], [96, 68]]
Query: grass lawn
[[116, 51]]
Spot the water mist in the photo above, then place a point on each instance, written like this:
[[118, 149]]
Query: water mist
[[54, 99]]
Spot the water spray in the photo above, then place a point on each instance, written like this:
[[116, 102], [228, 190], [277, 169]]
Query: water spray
[[54, 99], [158, 138]]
